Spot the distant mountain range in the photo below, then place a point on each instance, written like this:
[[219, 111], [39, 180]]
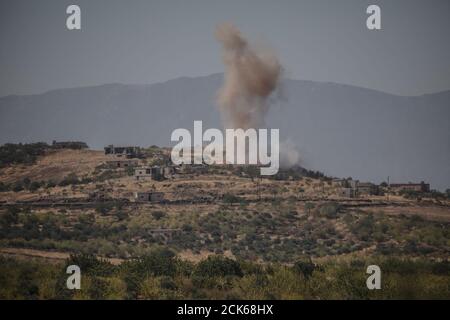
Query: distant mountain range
[[339, 129]]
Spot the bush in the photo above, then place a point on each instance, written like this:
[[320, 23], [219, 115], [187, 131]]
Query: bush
[[229, 198], [218, 266], [104, 208], [158, 214], [329, 210], [18, 186], [91, 265], [35, 185], [4, 187], [121, 215], [305, 267], [11, 153], [71, 179], [160, 262], [11, 216]]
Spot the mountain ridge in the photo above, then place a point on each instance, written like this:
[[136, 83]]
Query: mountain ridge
[[218, 74], [340, 129]]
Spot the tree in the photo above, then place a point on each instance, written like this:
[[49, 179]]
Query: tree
[[305, 267], [18, 186], [103, 208], [11, 216], [158, 214], [230, 198], [35, 185], [308, 207], [91, 265], [218, 266], [4, 187], [121, 215], [160, 262]]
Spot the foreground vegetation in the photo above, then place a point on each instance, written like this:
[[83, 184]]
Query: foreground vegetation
[[273, 232], [161, 275]]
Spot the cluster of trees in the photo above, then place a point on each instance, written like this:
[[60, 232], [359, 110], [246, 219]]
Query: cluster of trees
[[161, 275], [27, 153], [11, 153]]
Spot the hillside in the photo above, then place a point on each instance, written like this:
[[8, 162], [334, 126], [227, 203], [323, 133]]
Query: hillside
[[292, 236], [91, 207]]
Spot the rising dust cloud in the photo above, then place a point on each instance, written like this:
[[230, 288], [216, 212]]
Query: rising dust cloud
[[251, 76]]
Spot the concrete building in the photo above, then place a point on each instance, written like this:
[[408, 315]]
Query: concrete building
[[143, 173], [75, 145], [123, 151], [346, 183], [192, 168], [169, 171], [418, 187], [121, 163], [347, 192], [150, 196], [367, 188], [154, 173]]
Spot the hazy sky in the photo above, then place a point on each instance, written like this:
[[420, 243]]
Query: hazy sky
[[152, 41]]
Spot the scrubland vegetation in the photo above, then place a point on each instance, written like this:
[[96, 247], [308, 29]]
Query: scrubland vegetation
[[286, 237], [276, 233], [161, 275]]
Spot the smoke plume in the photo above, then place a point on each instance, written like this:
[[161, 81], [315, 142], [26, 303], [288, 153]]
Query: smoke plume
[[251, 75]]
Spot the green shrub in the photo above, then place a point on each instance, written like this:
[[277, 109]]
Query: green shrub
[[305, 267], [157, 215], [218, 266], [91, 265], [329, 210]]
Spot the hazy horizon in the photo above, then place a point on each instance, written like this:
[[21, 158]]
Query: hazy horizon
[[161, 40], [213, 74]]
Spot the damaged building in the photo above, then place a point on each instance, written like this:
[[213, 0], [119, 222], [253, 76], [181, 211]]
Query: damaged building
[[123, 151], [192, 168], [121, 163], [74, 145], [418, 187], [368, 188], [350, 188], [347, 192], [157, 173], [149, 196]]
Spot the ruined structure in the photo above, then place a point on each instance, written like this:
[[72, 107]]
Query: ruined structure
[[74, 145], [418, 187], [154, 173], [121, 163], [149, 196], [368, 188], [123, 151], [350, 188], [192, 168], [347, 192]]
